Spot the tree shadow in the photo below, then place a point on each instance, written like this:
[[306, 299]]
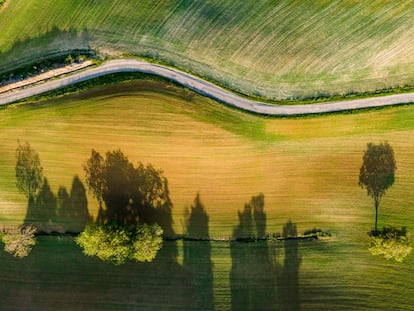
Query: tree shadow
[[87, 283], [73, 208], [63, 212], [289, 277], [197, 254], [253, 275], [257, 280], [24, 54], [130, 195]]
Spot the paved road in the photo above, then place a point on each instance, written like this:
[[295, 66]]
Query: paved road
[[207, 89]]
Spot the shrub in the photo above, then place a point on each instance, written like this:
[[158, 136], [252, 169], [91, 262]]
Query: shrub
[[19, 242], [390, 242], [116, 243]]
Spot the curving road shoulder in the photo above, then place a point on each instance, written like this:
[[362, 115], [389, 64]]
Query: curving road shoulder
[[207, 89]]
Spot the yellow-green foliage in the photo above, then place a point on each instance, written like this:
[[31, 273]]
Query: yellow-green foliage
[[147, 243], [272, 48], [115, 243], [394, 248], [19, 242], [108, 243], [390, 242]]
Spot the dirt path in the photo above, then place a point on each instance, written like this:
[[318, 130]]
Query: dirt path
[[54, 73], [205, 88]]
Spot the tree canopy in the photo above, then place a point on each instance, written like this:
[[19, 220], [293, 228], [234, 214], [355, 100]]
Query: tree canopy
[[19, 242], [376, 174], [117, 243]]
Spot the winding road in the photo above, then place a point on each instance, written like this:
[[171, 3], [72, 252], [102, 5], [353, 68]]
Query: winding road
[[204, 88]]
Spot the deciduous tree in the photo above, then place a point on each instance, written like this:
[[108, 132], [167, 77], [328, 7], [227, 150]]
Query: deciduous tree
[[377, 172], [19, 242], [116, 243]]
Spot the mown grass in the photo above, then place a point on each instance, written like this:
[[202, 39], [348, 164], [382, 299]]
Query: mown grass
[[307, 169], [290, 49], [331, 275]]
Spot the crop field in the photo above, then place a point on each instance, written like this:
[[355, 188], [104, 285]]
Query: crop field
[[307, 169], [279, 50]]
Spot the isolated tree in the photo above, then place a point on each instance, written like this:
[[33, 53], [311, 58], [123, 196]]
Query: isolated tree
[[28, 170], [19, 242], [377, 172]]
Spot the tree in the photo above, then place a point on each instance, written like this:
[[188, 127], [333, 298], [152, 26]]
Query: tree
[[19, 242], [377, 172], [147, 242], [116, 243], [28, 170]]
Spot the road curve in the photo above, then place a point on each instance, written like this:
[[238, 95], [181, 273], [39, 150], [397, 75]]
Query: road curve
[[207, 89]]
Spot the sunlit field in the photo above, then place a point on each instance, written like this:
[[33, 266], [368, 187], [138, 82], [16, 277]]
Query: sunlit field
[[281, 49], [307, 169]]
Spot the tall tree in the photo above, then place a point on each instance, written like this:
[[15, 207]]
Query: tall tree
[[29, 171], [377, 172]]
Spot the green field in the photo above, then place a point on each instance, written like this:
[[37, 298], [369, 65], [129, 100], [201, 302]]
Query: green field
[[283, 49], [307, 169]]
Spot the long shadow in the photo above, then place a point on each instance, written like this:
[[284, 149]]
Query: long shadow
[[197, 255], [57, 275], [253, 275], [130, 195], [63, 212], [73, 208], [25, 54], [289, 278]]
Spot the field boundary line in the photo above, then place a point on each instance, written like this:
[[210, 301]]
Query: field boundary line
[[207, 89]]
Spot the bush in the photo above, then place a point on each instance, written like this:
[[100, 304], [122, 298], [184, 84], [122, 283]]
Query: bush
[[116, 243], [19, 242], [390, 242]]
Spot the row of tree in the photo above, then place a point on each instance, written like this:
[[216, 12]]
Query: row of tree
[[131, 195]]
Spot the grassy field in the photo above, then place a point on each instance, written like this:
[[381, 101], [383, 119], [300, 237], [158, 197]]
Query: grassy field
[[332, 275], [277, 50], [307, 169]]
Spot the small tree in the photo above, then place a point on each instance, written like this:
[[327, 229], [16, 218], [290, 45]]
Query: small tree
[[19, 242], [377, 172], [28, 170]]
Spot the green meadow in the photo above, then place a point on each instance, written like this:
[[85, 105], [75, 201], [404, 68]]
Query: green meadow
[[278, 50], [307, 168]]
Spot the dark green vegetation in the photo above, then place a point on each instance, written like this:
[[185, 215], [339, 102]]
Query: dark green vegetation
[[44, 64], [377, 172], [289, 49]]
